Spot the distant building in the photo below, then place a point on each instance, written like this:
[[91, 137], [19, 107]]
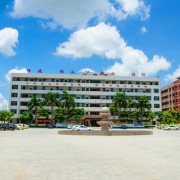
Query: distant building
[[92, 90], [170, 96]]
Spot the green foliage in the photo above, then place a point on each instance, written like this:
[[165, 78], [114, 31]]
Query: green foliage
[[167, 118], [59, 114], [114, 110], [33, 105], [51, 99], [26, 117], [5, 115], [43, 112], [77, 113], [120, 101]]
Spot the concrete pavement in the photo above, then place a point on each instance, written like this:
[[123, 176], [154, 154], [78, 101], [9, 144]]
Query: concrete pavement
[[42, 154]]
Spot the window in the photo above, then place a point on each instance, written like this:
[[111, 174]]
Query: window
[[43, 88], [129, 82], [14, 94], [57, 88], [26, 79], [83, 89], [121, 82], [113, 82], [156, 105], [13, 103], [156, 98], [14, 86], [137, 82], [156, 90], [112, 90], [35, 87]]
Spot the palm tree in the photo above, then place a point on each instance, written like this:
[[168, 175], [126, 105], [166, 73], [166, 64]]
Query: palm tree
[[77, 113], [67, 102], [160, 118], [130, 103], [59, 114], [143, 104], [33, 105], [43, 112], [26, 117], [51, 99], [120, 101]]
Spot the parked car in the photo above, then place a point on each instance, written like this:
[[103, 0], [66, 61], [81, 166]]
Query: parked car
[[121, 126], [18, 127], [81, 128], [171, 128], [26, 126], [7, 126]]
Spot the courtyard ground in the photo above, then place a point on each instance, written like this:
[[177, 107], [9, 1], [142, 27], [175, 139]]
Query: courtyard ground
[[42, 154]]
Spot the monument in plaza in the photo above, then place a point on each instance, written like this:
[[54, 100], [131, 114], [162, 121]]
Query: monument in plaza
[[105, 123]]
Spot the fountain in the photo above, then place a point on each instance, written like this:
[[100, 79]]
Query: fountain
[[105, 123]]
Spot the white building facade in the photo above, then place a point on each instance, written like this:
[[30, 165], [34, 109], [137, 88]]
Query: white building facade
[[92, 90]]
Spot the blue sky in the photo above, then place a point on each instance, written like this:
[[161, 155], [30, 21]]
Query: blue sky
[[121, 36]]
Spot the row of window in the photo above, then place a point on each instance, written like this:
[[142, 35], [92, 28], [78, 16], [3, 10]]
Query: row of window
[[84, 105], [86, 89], [156, 98], [85, 81], [14, 103]]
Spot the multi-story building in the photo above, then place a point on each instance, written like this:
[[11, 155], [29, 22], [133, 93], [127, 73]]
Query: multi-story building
[[170, 96], [93, 90]]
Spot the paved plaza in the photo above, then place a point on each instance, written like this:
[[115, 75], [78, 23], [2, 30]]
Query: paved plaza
[[42, 154]]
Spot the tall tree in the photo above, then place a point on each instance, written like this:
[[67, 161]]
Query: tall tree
[[160, 118], [67, 102], [113, 109], [143, 105], [77, 113], [119, 101], [33, 105], [59, 114], [26, 117], [51, 99], [43, 112], [6, 115]]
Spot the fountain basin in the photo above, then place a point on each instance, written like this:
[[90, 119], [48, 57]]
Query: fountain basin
[[107, 133]]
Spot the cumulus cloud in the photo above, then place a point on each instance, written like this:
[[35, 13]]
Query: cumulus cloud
[[14, 70], [8, 41], [173, 76], [135, 7], [78, 13], [3, 102], [105, 41], [143, 29]]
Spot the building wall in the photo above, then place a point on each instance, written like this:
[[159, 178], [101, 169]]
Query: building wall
[[176, 94], [92, 91], [170, 96]]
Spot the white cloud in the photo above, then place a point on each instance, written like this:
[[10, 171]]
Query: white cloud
[[135, 7], [105, 41], [8, 41], [143, 29], [3, 102], [173, 76], [78, 13], [15, 70]]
